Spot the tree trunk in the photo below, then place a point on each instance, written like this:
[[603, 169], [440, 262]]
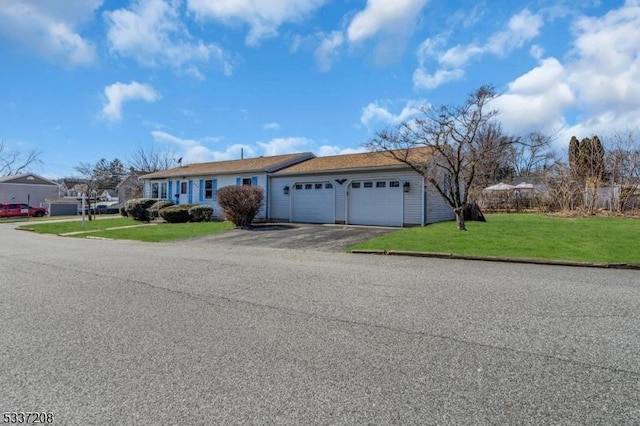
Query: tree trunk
[[460, 218]]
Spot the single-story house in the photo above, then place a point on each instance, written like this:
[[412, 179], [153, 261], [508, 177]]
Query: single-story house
[[365, 189], [198, 183], [27, 188]]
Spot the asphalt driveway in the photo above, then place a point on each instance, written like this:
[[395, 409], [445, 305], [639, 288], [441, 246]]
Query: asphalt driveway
[[331, 238]]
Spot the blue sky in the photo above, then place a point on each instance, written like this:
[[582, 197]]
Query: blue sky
[[82, 80]]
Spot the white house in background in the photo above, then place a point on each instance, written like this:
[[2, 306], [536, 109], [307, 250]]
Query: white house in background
[[27, 188], [198, 183], [363, 189], [356, 189]]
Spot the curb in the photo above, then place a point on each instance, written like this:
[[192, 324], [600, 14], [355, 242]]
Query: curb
[[437, 255]]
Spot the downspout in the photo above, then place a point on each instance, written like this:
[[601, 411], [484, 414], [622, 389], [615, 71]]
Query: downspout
[[424, 202], [267, 213]]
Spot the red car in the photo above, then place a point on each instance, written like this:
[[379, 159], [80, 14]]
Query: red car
[[17, 210]]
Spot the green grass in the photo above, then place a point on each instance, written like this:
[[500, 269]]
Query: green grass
[[62, 227], [588, 239], [140, 231], [166, 231]]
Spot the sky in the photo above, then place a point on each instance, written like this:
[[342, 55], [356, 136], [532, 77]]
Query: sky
[[82, 80]]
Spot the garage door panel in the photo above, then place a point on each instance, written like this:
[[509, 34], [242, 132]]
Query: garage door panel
[[313, 202], [376, 203]]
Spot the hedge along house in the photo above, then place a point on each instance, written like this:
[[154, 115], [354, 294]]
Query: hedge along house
[[198, 183], [356, 189]]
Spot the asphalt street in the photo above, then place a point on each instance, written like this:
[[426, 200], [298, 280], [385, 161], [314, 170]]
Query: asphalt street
[[195, 332]]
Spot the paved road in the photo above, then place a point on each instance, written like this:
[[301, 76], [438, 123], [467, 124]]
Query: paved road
[[114, 332]]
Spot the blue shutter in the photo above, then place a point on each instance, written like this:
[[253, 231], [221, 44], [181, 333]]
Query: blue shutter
[[214, 189], [254, 180], [190, 191], [201, 190], [177, 194], [238, 181], [170, 191]]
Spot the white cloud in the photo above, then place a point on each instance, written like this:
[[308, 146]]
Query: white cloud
[[536, 100], [118, 93], [606, 73], [327, 50], [152, 33], [377, 113], [279, 146], [521, 28], [394, 17], [271, 126], [196, 151], [263, 17], [389, 23], [423, 80], [327, 150], [50, 28], [597, 90]]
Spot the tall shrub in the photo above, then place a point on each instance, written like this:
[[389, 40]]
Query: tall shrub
[[138, 208], [240, 204]]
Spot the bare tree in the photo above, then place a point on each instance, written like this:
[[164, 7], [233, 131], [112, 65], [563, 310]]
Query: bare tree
[[90, 179], [452, 135], [623, 166], [14, 163], [149, 160], [533, 154], [564, 192], [498, 166]]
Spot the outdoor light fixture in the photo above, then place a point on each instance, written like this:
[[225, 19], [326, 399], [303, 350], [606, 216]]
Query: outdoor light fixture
[[286, 190], [406, 186]]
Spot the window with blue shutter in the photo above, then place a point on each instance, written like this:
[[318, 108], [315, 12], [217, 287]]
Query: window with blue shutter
[[208, 190]]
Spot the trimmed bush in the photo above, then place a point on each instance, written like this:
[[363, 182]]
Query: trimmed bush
[[178, 213], [138, 208], [160, 204], [240, 204], [200, 213], [123, 212]]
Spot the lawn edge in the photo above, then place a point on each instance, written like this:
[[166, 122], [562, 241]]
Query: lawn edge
[[535, 261]]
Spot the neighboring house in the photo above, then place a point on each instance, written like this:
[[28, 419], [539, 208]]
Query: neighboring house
[[356, 189], [198, 183], [75, 188], [130, 187], [109, 195], [365, 189], [27, 188]]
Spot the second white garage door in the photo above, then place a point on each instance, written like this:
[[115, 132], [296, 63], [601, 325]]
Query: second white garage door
[[313, 202], [375, 202]]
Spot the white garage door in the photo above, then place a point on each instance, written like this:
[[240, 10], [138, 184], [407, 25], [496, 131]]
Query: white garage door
[[375, 202], [313, 202]]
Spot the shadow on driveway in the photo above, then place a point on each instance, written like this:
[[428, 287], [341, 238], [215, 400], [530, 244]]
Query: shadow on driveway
[[333, 238]]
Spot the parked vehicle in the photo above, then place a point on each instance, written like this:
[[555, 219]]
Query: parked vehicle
[[21, 209], [107, 208]]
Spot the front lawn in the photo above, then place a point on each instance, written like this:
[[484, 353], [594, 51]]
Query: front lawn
[[588, 239], [122, 228]]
